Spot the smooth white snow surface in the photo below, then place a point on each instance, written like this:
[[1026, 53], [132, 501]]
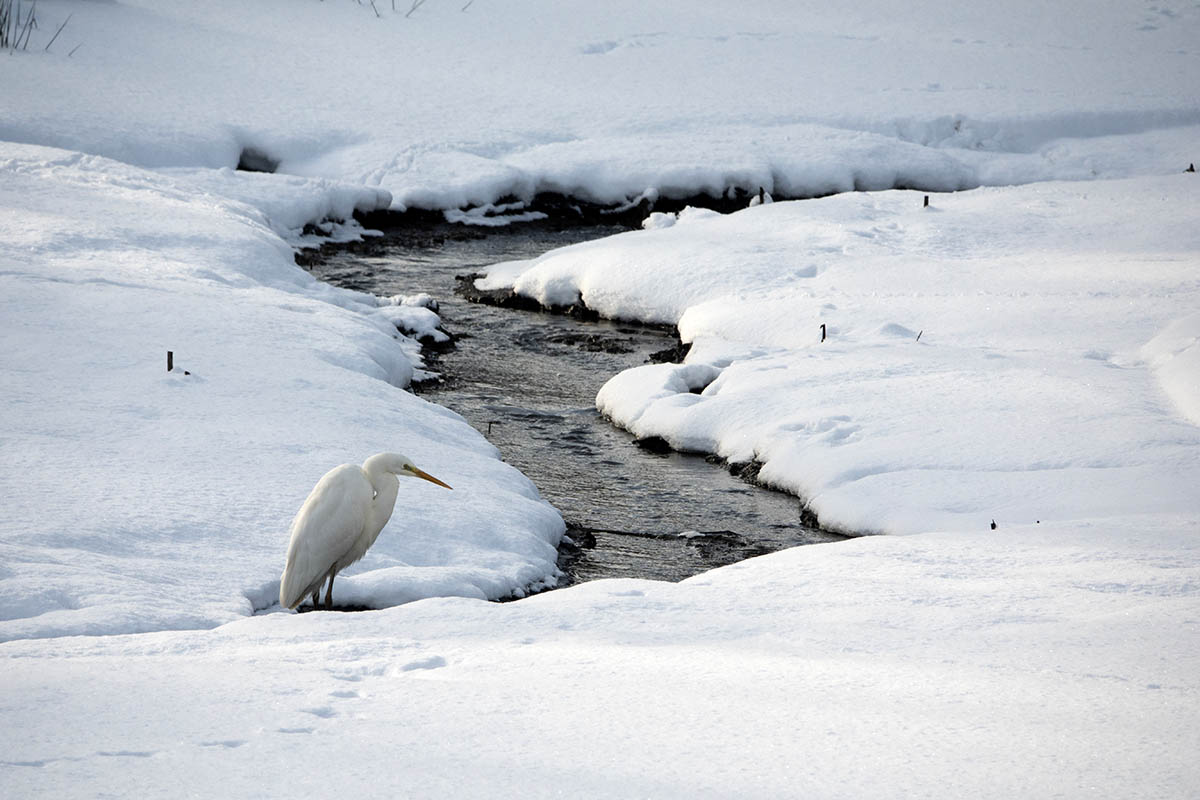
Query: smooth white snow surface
[[1054, 388], [1029, 662]]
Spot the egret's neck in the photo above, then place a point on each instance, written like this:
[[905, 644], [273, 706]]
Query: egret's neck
[[386, 487]]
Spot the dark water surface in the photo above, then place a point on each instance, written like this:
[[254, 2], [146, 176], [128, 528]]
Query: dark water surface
[[528, 381]]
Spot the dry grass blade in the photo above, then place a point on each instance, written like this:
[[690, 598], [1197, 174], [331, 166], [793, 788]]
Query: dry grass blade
[[46, 49]]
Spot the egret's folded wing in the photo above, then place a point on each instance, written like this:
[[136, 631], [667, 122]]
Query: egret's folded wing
[[326, 526]]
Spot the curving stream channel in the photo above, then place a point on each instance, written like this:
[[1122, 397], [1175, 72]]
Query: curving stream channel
[[528, 381]]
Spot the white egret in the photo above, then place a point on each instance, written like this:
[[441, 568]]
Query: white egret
[[339, 522]]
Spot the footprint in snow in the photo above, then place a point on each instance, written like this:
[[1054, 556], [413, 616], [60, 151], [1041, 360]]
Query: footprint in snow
[[324, 712], [354, 676], [228, 743], [809, 271], [433, 662], [598, 48]]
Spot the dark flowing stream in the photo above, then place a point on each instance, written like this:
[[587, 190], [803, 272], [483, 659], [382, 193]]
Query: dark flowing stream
[[528, 381]]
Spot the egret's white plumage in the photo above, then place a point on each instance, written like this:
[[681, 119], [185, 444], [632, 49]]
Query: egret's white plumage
[[339, 522]]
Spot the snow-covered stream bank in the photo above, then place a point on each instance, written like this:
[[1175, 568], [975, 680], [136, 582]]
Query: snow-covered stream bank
[[1013, 354], [528, 381], [138, 500]]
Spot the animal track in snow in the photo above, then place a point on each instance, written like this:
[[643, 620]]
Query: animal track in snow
[[357, 674], [598, 48], [433, 662], [324, 712]]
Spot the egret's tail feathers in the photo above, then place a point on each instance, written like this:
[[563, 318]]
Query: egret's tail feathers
[[290, 594]]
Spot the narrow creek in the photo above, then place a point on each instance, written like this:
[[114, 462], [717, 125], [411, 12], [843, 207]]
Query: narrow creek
[[528, 381]]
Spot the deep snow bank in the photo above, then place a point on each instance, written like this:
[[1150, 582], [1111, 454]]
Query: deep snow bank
[[1175, 356], [450, 106], [1026, 397], [140, 500]]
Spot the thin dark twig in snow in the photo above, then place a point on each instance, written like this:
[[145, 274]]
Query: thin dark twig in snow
[[373, 8], [73, 49], [12, 36], [46, 49], [30, 23], [468, 5], [416, 4]]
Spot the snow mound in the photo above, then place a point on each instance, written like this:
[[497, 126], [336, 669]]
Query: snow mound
[[658, 219], [636, 398], [1174, 354], [418, 322]]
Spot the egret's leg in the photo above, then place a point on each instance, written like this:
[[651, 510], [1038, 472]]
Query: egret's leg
[[329, 591], [317, 598]]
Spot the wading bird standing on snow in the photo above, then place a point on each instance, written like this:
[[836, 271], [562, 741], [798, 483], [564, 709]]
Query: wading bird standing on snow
[[339, 522]]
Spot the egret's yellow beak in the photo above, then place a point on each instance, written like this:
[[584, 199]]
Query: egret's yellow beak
[[422, 474]]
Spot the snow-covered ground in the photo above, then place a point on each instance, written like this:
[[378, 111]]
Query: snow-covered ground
[[1055, 388], [446, 106], [1026, 663]]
